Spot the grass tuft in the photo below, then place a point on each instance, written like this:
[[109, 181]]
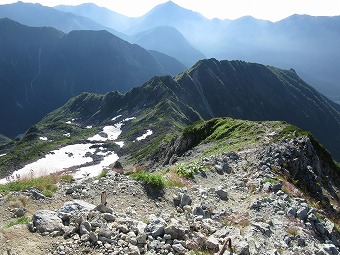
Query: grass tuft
[[103, 173], [152, 180], [21, 220], [46, 184], [67, 178]]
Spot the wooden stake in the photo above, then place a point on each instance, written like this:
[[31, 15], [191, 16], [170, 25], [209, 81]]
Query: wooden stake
[[103, 198]]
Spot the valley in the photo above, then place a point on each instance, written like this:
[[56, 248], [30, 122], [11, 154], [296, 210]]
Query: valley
[[168, 133]]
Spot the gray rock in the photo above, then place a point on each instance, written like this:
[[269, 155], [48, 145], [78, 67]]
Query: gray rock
[[175, 231], [93, 237], [37, 195], [47, 221], [108, 217], [179, 248], [291, 211], [222, 193], [142, 238], [329, 249], [103, 209], [185, 199], [267, 187], [155, 245], [20, 212], [133, 250], [212, 243], [156, 227], [276, 187], [263, 227], [256, 204], [242, 248], [105, 232], [85, 228], [302, 213], [75, 208]]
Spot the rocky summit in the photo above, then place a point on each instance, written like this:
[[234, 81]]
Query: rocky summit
[[276, 196]]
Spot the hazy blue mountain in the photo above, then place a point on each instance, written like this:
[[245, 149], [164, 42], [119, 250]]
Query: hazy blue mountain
[[306, 43], [101, 15], [172, 65], [169, 41], [38, 15], [211, 89], [41, 68], [165, 39]]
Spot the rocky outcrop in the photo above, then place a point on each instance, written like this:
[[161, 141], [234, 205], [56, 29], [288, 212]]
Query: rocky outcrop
[[238, 197]]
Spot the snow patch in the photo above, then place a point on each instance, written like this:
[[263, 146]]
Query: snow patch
[[43, 138], [67, 135], [121, 144], [95, 170], [114, 118], [142, 137], [55, 161], [127, 119], [109, 133]]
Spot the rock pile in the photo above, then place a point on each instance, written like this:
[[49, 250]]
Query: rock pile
[[238, 196]]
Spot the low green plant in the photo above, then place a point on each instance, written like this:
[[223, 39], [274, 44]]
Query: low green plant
[[46, 184], [173, 180], [67, 178], [21, 220], [188, 171], [270, 180], [103, 173], [201, 252], [152, 180]]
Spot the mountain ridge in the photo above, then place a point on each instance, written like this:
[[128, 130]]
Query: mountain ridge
[[49, 67], [211, 89]]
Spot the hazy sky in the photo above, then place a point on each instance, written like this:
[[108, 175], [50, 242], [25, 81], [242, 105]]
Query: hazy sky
[[231, 9]]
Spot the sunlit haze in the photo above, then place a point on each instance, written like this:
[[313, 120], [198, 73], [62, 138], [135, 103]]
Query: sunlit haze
[[273, 10]]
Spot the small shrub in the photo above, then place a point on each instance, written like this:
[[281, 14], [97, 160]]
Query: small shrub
[[21, 220], [152, 180]]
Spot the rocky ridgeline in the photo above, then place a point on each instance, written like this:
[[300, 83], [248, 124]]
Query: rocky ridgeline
[[238, 196]]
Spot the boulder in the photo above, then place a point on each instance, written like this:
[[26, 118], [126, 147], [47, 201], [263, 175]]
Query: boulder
[[74, 208], [47, 221]]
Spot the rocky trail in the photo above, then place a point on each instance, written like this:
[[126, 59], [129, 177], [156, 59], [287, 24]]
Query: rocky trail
[[238, 195]]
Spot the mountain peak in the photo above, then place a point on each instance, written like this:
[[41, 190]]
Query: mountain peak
[[171, 9]]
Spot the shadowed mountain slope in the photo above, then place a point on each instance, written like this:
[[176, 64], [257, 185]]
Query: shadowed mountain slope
[[211, 89], [42, 68]]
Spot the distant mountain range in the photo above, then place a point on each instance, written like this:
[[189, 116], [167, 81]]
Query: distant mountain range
[[37, 15], [306, 43], [42, 68], [211, 89]]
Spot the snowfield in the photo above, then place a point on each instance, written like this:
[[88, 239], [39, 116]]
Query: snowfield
[[73, 156]]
